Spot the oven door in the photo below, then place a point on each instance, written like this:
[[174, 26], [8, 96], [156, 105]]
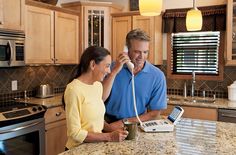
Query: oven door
[[5, 52], [27, 138]]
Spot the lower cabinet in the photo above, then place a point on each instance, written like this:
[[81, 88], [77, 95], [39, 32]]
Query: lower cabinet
[[56, 137], [203, 113]]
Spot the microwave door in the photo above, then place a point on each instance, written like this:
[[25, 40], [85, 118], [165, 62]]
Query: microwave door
[[5, 53], [19, 56]]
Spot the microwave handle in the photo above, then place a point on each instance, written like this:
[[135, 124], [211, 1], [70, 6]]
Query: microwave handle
[[9, 53]]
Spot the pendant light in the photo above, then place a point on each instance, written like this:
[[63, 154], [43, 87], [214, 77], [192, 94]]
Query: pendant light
[[194, 19], [150, 7]]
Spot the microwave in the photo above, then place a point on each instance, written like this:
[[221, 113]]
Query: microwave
[[12, 51]]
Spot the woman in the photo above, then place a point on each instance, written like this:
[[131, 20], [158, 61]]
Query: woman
[[84, 106]]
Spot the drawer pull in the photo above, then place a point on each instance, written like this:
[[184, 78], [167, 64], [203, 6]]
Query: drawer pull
[[58, 114]]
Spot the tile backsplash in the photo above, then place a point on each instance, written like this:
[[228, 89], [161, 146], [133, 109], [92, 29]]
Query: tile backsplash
[[29, 77], [219, 88]]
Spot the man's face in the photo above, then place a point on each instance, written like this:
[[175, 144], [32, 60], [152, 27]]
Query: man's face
[[138, 52]]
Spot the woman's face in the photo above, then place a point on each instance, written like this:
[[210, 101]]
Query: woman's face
[[102, 69]]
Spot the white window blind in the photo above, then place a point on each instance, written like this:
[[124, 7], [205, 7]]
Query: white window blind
[[195, 51]]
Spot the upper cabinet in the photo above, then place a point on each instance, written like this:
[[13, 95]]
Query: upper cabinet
[[231, 33], [122, 23], [51, 36], [12, 14], [95, 22], [66, 38]]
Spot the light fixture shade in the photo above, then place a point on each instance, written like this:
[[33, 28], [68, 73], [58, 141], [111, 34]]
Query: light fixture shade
[[150, 7], [194, 20]]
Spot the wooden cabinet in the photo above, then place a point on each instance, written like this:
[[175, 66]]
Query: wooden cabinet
[[66, 38], [122, 23], [195, 112], [231, 33], [12, 14], [51, 36], [55, 130], [95, 22], [120, 27]]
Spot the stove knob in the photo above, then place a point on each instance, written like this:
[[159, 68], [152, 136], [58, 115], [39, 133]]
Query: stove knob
[[40, 108], [34, 109]]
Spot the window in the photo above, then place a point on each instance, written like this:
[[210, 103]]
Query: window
[[195, 51]]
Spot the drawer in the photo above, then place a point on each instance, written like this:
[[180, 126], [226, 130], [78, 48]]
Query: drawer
[[54, 114]]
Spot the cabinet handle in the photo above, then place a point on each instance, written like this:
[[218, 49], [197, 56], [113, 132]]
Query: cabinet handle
[[1, 22], [56, 59], [58, 114]]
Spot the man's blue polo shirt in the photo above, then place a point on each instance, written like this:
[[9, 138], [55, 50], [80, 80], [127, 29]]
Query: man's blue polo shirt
[[150, 91]]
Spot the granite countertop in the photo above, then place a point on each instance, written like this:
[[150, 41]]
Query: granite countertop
[[190, 136], [201, 102], [56, 100], [50, 102]]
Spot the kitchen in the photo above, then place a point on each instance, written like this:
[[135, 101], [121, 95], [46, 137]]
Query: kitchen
[[43, 70]]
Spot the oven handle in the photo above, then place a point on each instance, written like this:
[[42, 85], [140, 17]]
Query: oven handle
[[20, 128]]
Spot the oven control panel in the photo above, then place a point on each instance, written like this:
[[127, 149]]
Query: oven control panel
[[21, 113]]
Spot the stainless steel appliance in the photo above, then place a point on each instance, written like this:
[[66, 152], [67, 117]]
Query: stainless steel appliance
[[12, 52], [22, 129], [227, 115], [44, 91]]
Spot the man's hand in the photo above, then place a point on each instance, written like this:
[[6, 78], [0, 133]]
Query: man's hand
[[116, 125]]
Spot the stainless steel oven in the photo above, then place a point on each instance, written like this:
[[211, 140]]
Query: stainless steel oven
[[12, 51], [22, 129]]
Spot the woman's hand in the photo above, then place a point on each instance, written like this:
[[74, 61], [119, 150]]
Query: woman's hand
[[120, 61], [118, 135]]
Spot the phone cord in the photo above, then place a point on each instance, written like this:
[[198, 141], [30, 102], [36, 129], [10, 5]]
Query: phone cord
[[134, 101]]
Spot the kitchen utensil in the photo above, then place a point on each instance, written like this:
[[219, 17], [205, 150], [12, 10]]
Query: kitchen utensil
[[44, 91]]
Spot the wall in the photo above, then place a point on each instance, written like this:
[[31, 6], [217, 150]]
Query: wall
[[29, 77], [176, 4], [219, 88], [211, 87]]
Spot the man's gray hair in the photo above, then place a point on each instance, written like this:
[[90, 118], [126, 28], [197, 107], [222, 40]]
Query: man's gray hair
[[136, 34]]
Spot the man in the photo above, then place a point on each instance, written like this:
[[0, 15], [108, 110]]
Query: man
[[150, 84]]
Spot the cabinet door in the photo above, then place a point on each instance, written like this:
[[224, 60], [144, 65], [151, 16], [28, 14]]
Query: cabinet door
[[12, 14], [66, 38], [39, 29], [55, 137], [231, 33], [96, 26], [194, 112], [120, 27], [151, 25]]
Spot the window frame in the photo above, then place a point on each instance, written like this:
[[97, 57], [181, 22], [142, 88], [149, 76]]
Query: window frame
[[219, 77]]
